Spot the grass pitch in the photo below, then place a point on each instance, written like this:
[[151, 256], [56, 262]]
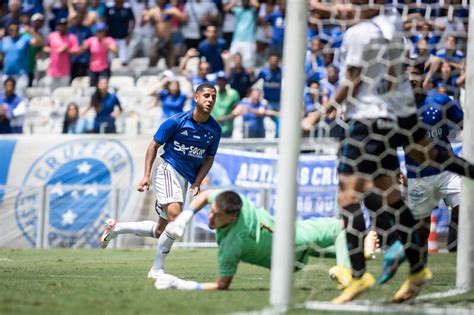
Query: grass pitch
[[93, 281]]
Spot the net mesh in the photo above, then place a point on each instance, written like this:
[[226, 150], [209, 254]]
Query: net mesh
[[413, 66]]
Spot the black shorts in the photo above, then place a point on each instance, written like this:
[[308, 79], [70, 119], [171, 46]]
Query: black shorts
[[370, 146]]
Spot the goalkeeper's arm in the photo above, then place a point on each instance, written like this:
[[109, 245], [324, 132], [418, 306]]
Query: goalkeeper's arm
[[171, 282], [348, 88]]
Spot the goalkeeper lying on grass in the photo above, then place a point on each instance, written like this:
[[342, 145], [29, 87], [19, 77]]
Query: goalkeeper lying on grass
[[244, 233]]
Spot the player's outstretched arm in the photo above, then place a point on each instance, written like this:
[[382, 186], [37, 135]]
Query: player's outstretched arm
[[167, 281], [149, 159]]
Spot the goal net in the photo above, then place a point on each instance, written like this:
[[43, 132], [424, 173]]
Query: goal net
[[399, 127]]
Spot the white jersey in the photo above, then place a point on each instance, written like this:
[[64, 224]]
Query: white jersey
[[377, 46]]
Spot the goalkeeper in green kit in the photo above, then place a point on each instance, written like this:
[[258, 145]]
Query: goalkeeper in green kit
[[244, 233]]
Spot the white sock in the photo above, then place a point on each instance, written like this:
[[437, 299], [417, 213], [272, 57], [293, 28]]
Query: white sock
[[184, 217], [142, 228], [164, 246]]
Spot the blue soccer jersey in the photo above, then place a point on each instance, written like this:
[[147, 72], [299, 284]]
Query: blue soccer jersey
[[187, 143], [439, 113]]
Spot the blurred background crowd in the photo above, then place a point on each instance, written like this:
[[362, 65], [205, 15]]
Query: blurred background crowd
[[94, 66]]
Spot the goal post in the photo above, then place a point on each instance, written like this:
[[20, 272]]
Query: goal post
[[465, 253], [281, 284]]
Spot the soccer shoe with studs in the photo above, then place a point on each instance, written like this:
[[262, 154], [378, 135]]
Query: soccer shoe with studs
[[355, 288], [104, 238], [371, 244], [393, 258], [342, 275], [413, 285]]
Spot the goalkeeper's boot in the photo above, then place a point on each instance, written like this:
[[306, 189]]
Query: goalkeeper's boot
[[155, 274], [356, 287], [342, 275], [413, 285], [371, 244], [105, 237], [393, 258]]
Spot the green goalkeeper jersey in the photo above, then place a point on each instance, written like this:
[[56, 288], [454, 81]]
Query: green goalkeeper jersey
[[249, 238]]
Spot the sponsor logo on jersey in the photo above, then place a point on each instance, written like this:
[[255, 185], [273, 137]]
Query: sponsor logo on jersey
[[191, 151], [78, 177]]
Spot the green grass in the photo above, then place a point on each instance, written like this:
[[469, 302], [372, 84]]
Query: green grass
[[88, 281]]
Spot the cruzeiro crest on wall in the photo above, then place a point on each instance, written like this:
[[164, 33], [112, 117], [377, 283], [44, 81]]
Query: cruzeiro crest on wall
[[79, 176]]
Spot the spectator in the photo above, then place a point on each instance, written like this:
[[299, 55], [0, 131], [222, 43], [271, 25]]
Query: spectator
[[142, 33], [31, 7], [98, 7], [264, 29], [161, 17], [329, 83], [79, 62], [99, 47], [73, 123], [12, 109], [60, 11], [61, 46], [37, 22], [253, 109], [244, 40], [312, 99], [107, 108], [211, 48], [12, 17], [226, 100], [14, 49], [121, 22], [171, 98], [228, 24], [314, 62], [80, 9], [450, 54], [277, 21], [239, 77], [272, 76], [198, 15]]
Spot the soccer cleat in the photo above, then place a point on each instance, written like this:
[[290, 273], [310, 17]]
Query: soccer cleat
[[155, 274], [175, 230], [342, 275], [393, 258], [355, 288], [413, 285], [104, 239], [371, 244]]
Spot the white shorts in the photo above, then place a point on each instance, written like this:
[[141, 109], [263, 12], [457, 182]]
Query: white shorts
[[170, 187], [425, 193]]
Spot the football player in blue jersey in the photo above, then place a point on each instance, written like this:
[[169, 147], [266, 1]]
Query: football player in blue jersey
[[190, 141], [426, 183]]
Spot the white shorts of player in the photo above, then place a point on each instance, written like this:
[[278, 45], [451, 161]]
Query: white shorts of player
[[425, 193], [170, 187]]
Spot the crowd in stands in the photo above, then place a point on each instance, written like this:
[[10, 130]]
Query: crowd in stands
[[84, 64]]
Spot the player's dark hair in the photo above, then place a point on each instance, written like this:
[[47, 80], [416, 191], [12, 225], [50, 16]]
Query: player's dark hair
[[205, 86], [229, 202]]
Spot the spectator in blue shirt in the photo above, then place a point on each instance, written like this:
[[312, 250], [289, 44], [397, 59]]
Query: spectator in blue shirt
[[12, 109], [272, 76], [239, 77], [14, 50], [277, 21], [12, 17], [60, 11], [171, 98], [80, 63], [121, 22], [73, 123], [450, 54], [253, 110], [314, 61], [211, 48], [107, 108]]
